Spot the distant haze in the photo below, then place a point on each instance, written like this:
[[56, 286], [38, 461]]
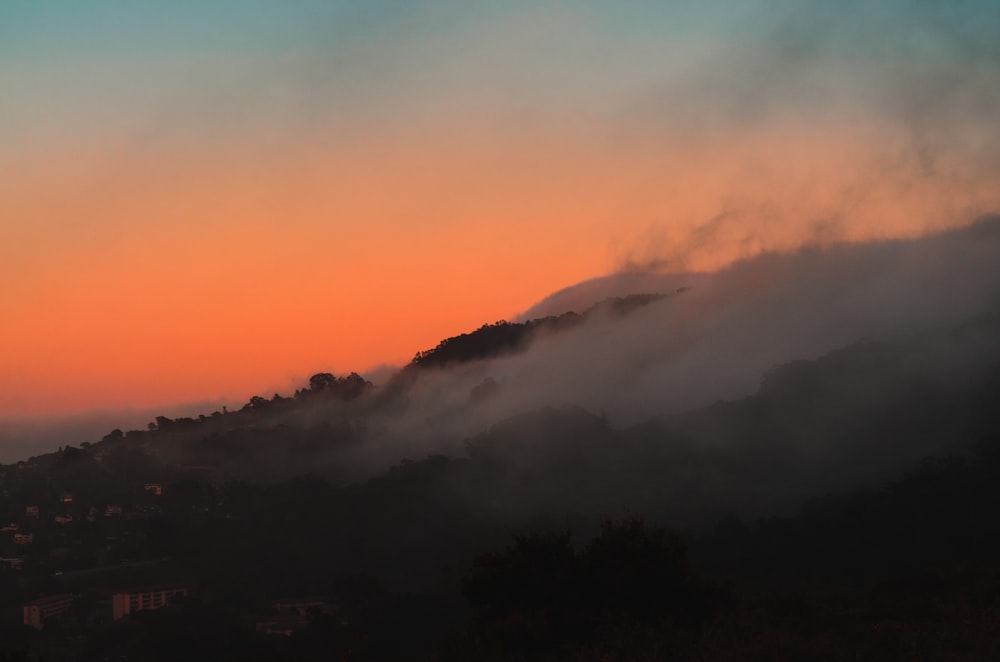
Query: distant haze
[[22, 437]]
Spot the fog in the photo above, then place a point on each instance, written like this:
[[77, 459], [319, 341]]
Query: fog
[[716, 340], [25, 436], [861, 359], [745, 390]]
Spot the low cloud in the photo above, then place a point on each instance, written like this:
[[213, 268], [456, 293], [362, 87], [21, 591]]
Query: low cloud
[[734, 395], [713, 342]]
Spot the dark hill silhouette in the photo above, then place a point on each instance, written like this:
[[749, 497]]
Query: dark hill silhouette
[[259, 503], [503, 337], [847, 419], [813, 482]]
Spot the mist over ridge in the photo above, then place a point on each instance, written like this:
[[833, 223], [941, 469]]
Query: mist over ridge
[[777, 415], [712, 338], [715, 340], [702, 300], [709, 338]]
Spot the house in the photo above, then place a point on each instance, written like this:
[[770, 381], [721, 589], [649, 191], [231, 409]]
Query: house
[[53, 606], [10, 528], [112, 511], [155, 488], [124, 603], [31, 511], [63, 519], [24, 538], [67, 497]]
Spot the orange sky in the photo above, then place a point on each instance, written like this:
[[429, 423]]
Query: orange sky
[[189, 218], [177, 275]]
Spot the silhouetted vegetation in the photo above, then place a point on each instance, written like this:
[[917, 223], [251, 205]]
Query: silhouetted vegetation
[[539, 598], [843, 511], [503, 337]]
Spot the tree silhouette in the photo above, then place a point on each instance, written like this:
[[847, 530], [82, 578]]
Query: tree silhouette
[[320, 381], [540, 597]]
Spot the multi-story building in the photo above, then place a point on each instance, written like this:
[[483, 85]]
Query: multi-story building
[[125, 602], [37, 611]]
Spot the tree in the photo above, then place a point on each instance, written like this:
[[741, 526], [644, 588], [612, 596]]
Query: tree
[[256, 403], [321, 380], [540, 596]]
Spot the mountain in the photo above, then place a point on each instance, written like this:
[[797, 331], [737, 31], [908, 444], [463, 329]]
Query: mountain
[[793, 415], [492, 340], [657, 364]]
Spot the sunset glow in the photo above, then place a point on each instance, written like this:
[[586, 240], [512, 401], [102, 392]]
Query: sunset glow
[[207, 204]]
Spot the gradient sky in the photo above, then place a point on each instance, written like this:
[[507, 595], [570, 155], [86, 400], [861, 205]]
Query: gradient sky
[[208, 200]]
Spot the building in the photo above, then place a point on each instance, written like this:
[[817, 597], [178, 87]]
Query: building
[[24, 538], [125, 602], [37, 611], [31, 511], [155, 488]]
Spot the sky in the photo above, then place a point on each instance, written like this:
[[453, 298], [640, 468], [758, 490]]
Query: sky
[[203, 201]]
